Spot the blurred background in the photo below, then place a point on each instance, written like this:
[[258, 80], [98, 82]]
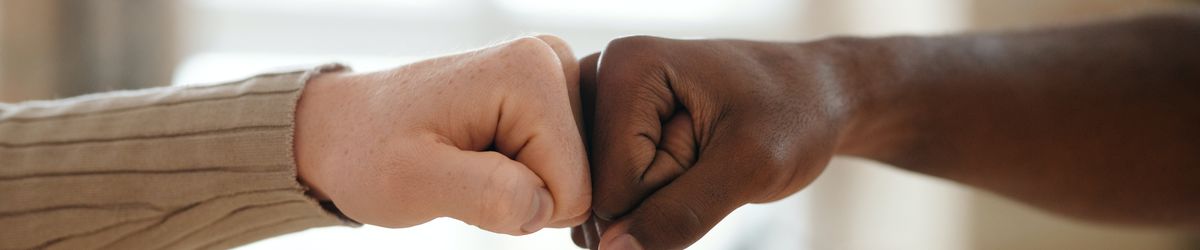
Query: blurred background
[[62, 48]]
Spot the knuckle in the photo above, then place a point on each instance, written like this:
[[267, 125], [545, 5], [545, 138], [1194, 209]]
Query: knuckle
[[636, 49], [532, 51], [526, 42], [631, 63], [634, 42], [535, 62], [553, 41]]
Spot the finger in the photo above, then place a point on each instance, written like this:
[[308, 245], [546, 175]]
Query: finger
[[490, 191], [590, 236], [587, 90], [632, 102], [570, 71], [680, 213], [571, 75], [537, 127], [577, 236], [587, 96], [675, 154], [599, 225]]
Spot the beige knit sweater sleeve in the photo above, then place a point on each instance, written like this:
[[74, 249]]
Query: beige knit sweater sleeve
[[175, 168]]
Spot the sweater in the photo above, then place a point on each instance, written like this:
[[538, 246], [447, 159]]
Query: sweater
[[197, 167]]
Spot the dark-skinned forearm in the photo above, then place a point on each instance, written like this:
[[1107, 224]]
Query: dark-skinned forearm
[[1098, 121]]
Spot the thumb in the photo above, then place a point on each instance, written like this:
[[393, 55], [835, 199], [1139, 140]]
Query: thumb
[[492, 192], [678, 214], [673, 218]]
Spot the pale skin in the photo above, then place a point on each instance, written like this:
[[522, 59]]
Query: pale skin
[[488, 137]]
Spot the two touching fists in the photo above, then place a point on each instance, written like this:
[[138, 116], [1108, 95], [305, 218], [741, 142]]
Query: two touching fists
[[679, 134]]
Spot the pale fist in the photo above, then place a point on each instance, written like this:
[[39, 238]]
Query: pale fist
[[489, 137]]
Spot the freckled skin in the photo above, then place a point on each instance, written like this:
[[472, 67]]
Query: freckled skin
[[488, 137], [1097, 122]]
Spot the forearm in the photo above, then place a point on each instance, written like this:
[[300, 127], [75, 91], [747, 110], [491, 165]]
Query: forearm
[[1097, 121], [197, 167]]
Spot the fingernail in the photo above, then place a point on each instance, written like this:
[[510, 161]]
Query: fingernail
[[625, 242], [543, 208]]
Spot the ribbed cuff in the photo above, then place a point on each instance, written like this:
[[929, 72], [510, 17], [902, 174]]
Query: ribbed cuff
[[180, 167]]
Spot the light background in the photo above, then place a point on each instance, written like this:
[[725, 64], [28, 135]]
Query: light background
[[58, 48]]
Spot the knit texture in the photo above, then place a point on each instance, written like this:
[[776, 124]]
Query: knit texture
[[177, 168]]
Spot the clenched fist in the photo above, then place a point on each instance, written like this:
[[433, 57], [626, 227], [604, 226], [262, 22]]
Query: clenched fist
[[489, 137], [685, 131]]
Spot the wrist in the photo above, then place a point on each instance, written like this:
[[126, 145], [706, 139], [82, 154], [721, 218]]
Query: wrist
[[307, 138], [871, 74]]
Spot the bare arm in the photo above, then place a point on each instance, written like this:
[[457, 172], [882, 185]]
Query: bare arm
[[1096, 121], [1099, 121]]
